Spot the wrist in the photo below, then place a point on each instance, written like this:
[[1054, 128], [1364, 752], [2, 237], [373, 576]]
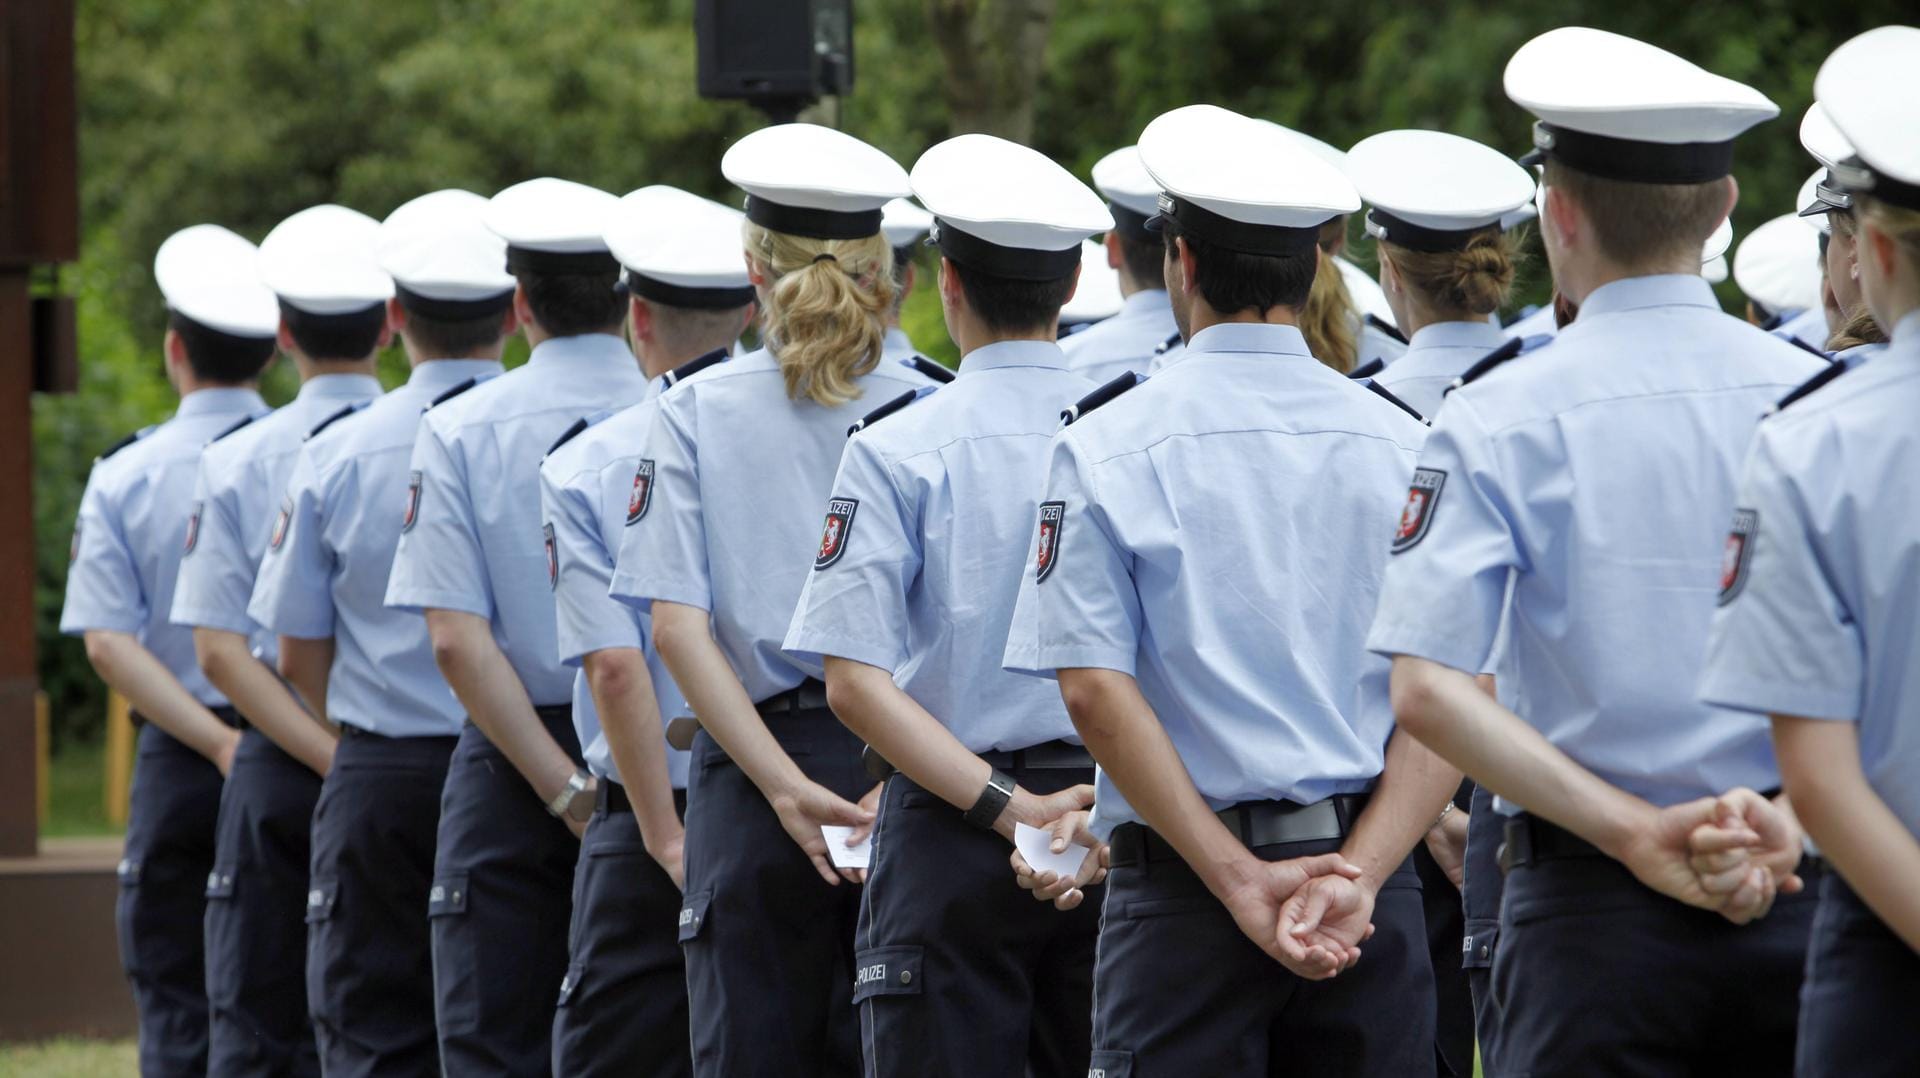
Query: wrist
[[1231, 873], [1620, 828], [1022, 808]]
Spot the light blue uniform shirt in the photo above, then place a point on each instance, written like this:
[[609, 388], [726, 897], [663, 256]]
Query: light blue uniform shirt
[[328, 578], [897, 346], [733, 523], [1216, 533], [945, 494], [1808, 326], [1435, 356], [1598, 474], [1820, 609], [589, 489], [476, 543], [240, 502], [1125, 342], [134, 526], [1540, 323], [1858, 354]]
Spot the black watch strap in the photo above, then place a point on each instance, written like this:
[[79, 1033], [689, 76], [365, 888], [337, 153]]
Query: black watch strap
[[993, 800]]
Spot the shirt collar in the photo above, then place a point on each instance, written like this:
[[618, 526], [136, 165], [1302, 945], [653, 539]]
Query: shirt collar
[[1147, 301], [434, 375], [340, 386], [233, 400], [1014, 354], [1482, 335], [897, 341], [1249, 337], [1659, 290], [1906, 332], [598, 348]]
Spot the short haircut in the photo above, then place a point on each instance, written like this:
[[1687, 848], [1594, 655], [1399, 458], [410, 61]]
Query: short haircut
[[353, 335], [570, 304], [222, 358], [1143, 260], [452, 338], [1635, 224], [693, 331], [1233, 281], [1006, 304]]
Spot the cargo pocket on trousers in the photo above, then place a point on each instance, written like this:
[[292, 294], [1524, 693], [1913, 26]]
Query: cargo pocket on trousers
[[693, 915], [325, 989], [1477, 947], [456, 983], [220, 882], [1110, 1065], [570, 983], [888, 971], [126, 917]]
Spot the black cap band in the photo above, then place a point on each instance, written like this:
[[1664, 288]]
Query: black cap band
[[451, 310], [1382, 225], [1270, 241], [692, 298], [1857, 177], [1630, 160], [1130, 223], [813, 224], [1013, 263], [584, 263]]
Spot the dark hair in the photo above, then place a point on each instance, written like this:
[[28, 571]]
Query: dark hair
[[1143, 260], [335, 336], [1006, 304], [1231, 281], [569, 304], [452, 338], [220, 357]]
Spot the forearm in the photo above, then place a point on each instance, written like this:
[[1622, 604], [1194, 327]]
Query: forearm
[[899, 729], [1413, 788], [307, 664], [487, 687], [263, 698], [1126, 738], [152, 690], [725, 711], [1451, 714], [1856, 832], [623, 692]]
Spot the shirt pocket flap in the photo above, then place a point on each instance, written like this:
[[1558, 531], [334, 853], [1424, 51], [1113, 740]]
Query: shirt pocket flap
[[888, 971]]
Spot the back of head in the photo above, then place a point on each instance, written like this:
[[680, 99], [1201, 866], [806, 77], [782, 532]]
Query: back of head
[[350, 335], [1142, 262], [1860, 328], [221, 358], [222, 312], [571, 304], [826, 310], [1475, 280], [1643, 224]]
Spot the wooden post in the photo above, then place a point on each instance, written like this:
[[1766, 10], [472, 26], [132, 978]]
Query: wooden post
[[120, 740], [19, 796], [43, 754]]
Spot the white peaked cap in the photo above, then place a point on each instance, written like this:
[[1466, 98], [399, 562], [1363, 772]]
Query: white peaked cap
[[1778, 265], [1125, 182], [1719, 241], [691, 245], [904, 223], [1098, 293], [1006, 209], [1434, 189], [1814, 205], [808, 180], [438, 246], [1821, 139], [1259, 189], [212, 276], [1867, 88], [551, 215], [323, 260]]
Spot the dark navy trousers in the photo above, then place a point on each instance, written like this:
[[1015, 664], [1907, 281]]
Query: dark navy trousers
[[161, 913], [1442, 903], [997, 985], [499, 906], [1480, 895], [369, 963], [1856, 1008]]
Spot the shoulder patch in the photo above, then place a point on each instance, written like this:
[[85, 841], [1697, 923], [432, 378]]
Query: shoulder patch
[[1808, 387], [1104, 395], [281, 523], [1417, 515], [642, 497], [1046, 552], [1386, 327], [939, 372], [414, 481], [1385, 394], [569, 434], [1488, 362], [833, 538], [332, 419], [553, 556], [453, 391], [237, 426], [124, 442], [1166, 345], [884, 411], [193, 529], [1739, 554], [1368, 369], [692, 367]]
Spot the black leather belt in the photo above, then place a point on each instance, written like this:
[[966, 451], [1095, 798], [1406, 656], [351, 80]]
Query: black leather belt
[[611, 797], [1255, 823], [1046, 756], [809, 695], [225, 713], [1529, 840]]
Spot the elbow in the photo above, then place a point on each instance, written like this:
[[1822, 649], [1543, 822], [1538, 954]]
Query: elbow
[[674, 634], [215, 655], [848, 690], [452, 648], [102, 649], [1086, 697], [1415, 695], [611, 677]]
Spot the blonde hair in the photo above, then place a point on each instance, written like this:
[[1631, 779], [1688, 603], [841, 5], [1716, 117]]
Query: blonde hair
[[826, 311], [1859, 329], [1328, 319], [1475, 280]]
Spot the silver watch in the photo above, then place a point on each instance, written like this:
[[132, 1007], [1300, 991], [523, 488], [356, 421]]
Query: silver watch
[[573, 802]]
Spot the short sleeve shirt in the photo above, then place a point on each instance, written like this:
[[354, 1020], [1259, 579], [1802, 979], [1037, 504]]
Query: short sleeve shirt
[[1125, 342], [1435, 356]]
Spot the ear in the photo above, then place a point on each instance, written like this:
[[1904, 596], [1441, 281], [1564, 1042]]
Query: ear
[[1112, 244], [396, 319], [1879, 250], [1075, 286], [756, 270], [1559, 213], [1733, 198], [386, 338], [175, 350], [640, 317], [1183, 256], [952, 295], [908, 278], [522, 311], [285, 339], [510, 321]]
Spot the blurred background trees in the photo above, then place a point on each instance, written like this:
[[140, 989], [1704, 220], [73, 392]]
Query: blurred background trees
[[242, 111]]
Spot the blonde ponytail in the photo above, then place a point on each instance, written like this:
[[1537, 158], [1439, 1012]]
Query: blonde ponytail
[[1328, 320], [826, 312]]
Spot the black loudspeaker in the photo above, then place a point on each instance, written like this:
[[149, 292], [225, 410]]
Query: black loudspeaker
[[779, 54]]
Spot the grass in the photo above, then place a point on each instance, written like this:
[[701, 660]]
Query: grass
[[78, 806], [67, 1058]]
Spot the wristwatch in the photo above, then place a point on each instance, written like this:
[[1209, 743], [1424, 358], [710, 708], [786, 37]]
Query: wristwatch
[[993, 800], [573, 802]]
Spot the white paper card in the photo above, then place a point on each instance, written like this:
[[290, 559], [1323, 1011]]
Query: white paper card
[[1036, 846], [843, 855]]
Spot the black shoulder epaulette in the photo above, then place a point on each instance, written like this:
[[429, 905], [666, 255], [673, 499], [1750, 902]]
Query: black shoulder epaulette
[[453, 391], [1804, 346], [938, 372], [691, 368], [1807, 388], [1386, 327], [884, 411], [567, 435], [124, 442], [1387, 395], [1099, 397], [1487, 362], [332, 419], [1368, 369], [243, 422], [1167, 345]]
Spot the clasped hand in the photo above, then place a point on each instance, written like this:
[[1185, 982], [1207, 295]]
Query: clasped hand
[[1733, 854]]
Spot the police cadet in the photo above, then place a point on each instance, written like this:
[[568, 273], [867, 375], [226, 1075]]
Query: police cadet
[[1824, 202], [935, 505], [1439, 203], [127, 543], [472, 556], [1199, 591], [1591, 474], [905, 225], [320, 263], [742, 457], [623, 1005], [1126, 341], [1777, 267], [369, 669], [1816, 623]]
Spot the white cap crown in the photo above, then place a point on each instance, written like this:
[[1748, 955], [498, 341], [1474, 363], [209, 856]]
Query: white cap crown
[[439, 246], [211, 276], [323, 260], [677, 238]]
